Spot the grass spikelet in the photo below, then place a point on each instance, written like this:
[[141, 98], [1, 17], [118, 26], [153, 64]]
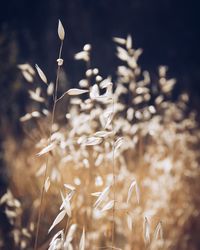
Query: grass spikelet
[[146, 231], [108, 206], [57, 220], [47, 184], [76, 91], [66, 204], [102, 197], [41, 74], [133, 183], [47, 149], [61, 31]]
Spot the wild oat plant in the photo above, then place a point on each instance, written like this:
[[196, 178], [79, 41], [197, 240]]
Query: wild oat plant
[[112, 164]]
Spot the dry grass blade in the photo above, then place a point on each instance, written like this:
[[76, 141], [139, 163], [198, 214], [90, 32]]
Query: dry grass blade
[[129, 222], [53, 243], [47, 149], [122, 54], [27, 76], [83, 55], [26, 117], [102, 197], [70, 187], [146, 231], [137, 192], [119, 142], [35, 114], [41, 170], [50, 89], [158, 233], [36, 95], [133, 183], [105, 83], [129, 42], [103, 134], [168, 85], [94, 92], [26, 67], [70, 235], [96, 194], [57, 220], [7, 196], [119, 40], [27, 71], [75, 91], [47, 184], [108, 116], [108, 206], [92, 141], [61, 31], [41, 74], [66, 204]]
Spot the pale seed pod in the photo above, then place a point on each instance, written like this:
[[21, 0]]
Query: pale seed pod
[[61, 31], [41, 74]]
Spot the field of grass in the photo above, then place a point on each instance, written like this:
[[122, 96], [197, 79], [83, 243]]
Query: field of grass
[[110, 164]]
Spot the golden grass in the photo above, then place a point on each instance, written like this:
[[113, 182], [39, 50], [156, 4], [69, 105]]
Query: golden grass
[[125, 159]]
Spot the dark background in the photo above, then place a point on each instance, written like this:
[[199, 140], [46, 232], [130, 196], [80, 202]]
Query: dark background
[[167, 30]]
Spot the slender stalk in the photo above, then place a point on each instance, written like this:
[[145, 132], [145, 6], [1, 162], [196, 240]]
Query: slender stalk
[[88, 217], [140, 150], [47, 158], [114, 181]]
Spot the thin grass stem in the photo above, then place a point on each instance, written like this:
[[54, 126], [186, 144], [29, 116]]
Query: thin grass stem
[[47, 158]]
